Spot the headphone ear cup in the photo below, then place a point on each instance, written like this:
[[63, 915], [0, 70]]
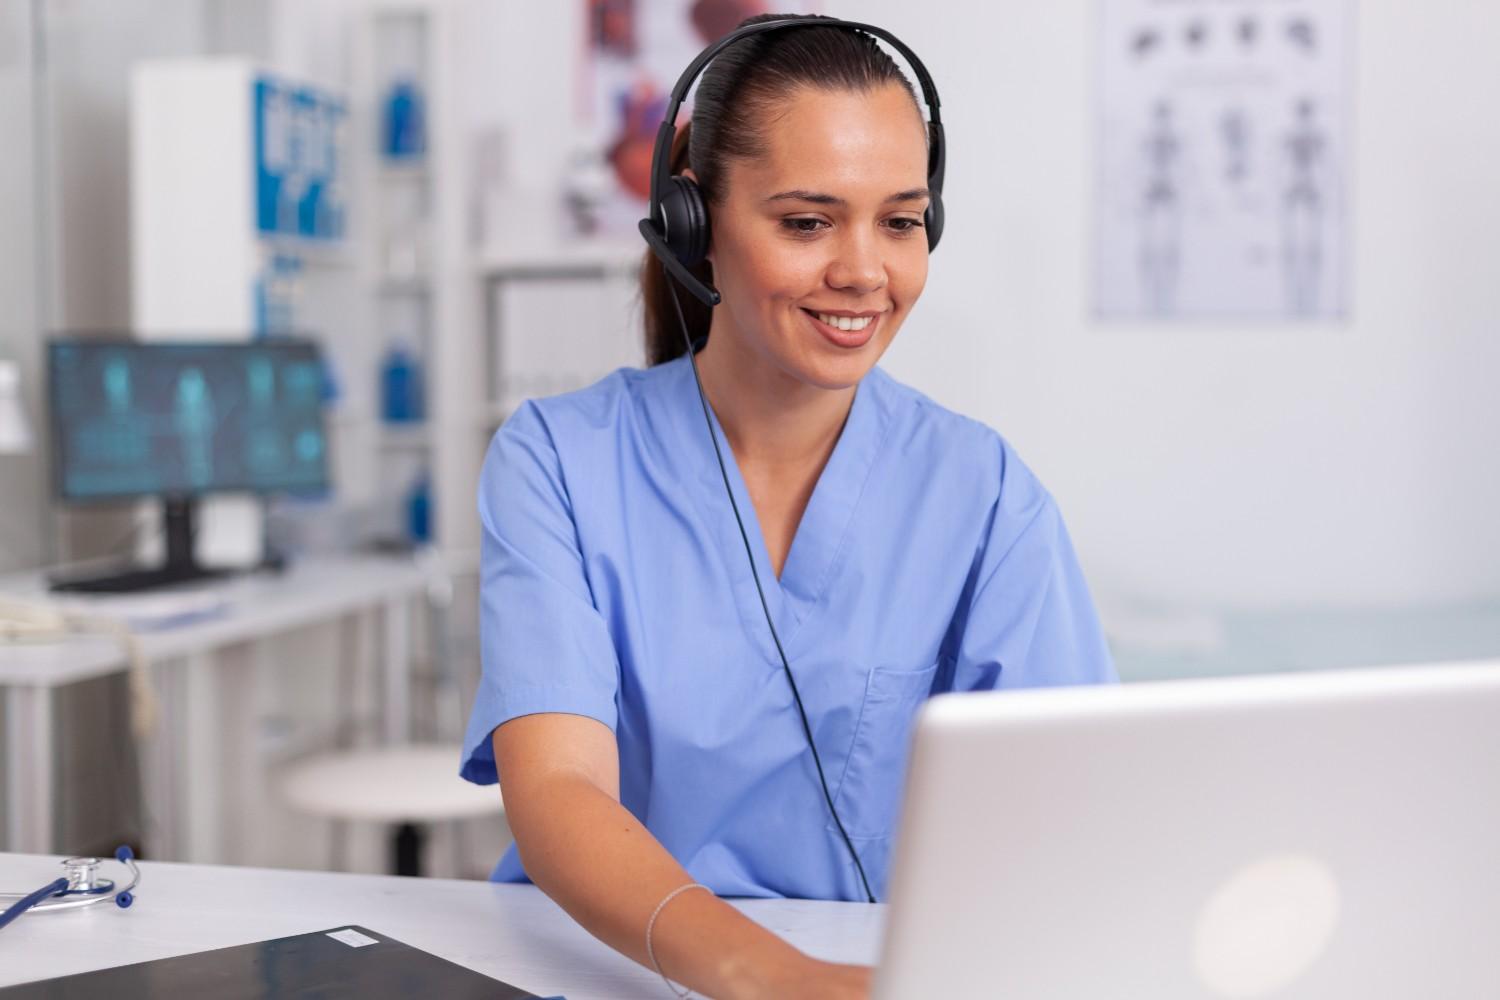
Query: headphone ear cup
[[933, 220], [686, 218]]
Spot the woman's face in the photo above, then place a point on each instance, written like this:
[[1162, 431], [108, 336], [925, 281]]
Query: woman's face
[[829, 222]]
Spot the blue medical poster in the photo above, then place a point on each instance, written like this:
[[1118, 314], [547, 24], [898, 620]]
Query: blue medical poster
[[299, 158]]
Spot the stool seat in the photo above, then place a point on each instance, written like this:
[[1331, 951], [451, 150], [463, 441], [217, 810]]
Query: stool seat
[[417, 783]]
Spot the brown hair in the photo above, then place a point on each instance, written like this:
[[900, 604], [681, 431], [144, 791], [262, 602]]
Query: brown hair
[[735, 93]]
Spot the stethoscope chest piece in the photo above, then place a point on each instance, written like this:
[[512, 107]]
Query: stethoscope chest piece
[[83, 879]]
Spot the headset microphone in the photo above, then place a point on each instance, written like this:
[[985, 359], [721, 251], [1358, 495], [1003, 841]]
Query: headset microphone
[[677, 231], [707, 294]]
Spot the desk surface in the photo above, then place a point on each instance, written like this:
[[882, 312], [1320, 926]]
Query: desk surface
[[256, 604], [511, 932]]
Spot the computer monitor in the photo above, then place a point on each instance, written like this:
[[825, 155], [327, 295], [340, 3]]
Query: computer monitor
[[180, 420]]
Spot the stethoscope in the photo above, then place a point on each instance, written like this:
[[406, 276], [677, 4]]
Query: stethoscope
[[81, 886]]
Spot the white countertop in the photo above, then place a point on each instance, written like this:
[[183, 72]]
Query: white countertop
[[253, 604], [511, 932], [49, 664]]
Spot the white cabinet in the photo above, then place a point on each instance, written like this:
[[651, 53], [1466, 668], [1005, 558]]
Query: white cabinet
[[241, 227]]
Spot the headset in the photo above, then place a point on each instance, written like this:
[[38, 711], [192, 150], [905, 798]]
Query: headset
[[677, 231]]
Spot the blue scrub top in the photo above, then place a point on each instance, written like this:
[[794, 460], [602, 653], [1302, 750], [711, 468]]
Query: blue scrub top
[[614, 585]]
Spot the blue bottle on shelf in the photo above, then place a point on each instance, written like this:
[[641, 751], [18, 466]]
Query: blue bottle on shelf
[[401, 387], [419, 511], [405, 122]]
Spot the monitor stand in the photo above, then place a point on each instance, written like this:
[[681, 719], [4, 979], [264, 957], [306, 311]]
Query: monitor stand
[[180, 566]]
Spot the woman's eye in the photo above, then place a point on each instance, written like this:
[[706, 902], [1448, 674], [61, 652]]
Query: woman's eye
[[802, 227], [810, 227]]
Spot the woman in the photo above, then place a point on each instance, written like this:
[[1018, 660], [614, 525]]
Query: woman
[[633, 700]]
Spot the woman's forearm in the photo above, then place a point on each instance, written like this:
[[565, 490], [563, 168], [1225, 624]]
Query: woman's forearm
[[592, 856]]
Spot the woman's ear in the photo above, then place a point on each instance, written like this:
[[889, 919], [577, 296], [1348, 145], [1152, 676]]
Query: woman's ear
[[688, 173]]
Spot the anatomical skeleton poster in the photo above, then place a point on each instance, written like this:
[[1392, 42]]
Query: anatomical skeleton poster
[[1223, 155]]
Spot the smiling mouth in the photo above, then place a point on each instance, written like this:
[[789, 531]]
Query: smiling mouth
[[846, 323], [845, 331]]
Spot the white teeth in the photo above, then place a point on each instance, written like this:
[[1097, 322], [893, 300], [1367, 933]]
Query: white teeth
[[846, 322]]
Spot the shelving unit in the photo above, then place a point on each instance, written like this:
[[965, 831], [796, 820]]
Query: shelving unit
[[413, 263], [547, 326]]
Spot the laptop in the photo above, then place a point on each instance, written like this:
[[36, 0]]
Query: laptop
[[1331, 835]]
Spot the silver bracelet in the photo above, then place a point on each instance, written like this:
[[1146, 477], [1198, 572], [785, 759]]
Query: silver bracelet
[[650, 924]]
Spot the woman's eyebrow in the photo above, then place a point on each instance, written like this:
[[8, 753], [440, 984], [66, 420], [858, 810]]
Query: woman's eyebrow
[[817, 198]]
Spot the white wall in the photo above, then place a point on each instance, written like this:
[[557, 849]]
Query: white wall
[[21, 488], [64, 252], [525, 61], [1243, 466], [90, 46]]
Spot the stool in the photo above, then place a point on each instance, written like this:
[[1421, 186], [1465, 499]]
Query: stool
[[402, 786]]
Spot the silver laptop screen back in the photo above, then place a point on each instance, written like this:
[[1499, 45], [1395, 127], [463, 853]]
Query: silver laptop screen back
[[1321, 835]]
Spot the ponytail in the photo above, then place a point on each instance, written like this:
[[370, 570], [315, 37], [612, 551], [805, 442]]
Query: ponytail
[[663, 333]]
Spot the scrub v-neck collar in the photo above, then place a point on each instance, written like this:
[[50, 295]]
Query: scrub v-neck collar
[[821, 536]]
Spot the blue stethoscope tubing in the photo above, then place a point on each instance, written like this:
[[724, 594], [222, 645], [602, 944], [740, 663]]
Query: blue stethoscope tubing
[[80, 888]]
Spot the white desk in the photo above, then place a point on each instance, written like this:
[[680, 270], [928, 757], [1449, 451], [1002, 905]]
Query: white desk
[[259, 606], [511, 932]]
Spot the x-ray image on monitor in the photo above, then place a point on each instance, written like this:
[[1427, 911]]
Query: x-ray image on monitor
[[170, 419]]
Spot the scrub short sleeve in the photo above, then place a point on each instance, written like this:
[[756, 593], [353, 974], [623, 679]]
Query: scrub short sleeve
[[1029, 621], [544, 646]]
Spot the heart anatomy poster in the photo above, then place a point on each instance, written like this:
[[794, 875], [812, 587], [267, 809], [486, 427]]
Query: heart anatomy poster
[[636, 51], [1223, 157]]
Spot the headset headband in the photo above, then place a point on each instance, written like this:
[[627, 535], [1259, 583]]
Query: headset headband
[[662, 155]]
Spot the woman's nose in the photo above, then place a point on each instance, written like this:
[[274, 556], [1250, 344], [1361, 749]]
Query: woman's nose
[[857, 264]]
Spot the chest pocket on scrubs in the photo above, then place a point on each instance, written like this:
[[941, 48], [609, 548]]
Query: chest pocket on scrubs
[[870, 791]]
